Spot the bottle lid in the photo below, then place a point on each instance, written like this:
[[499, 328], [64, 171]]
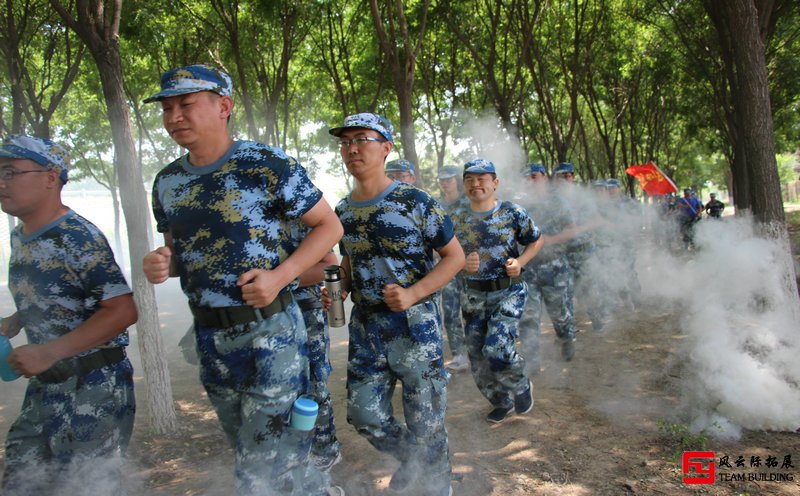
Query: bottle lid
[[305, 406]]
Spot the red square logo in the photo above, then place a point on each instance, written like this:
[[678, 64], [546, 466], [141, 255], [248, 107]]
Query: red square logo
[[694, 470]]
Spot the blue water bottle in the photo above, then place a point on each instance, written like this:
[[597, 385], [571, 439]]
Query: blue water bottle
[[304, 413], [6, 372]]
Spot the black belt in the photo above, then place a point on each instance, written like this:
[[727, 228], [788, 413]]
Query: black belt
[[309, 304], [494, 285], [80, 366], [225, 317]]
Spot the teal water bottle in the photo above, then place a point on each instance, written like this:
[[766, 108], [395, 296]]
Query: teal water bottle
[[6, 372], [304, 413]]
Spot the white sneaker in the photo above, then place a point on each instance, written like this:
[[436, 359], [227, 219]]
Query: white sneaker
[[325, 464], [335, 491], [460, 362]]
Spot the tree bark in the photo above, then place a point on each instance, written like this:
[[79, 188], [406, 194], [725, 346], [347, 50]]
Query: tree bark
[[99, 29]]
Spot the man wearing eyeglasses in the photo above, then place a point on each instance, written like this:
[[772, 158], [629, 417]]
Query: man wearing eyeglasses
[[75, 306], [223, 209], [401, 170], [390, 232]]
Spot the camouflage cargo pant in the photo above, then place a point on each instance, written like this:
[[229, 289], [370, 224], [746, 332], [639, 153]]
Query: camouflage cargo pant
[[70, 438], [387, 347], [549, 283], [253, 373], [451, 315], [319, 348], [588, 286], [490, 328]]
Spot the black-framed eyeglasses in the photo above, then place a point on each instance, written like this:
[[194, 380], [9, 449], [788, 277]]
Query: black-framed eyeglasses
[[10, 174], [360, 142]]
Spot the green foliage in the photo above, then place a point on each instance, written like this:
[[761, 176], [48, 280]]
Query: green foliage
[[679, 436]]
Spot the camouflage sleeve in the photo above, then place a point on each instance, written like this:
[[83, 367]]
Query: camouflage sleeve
[[93, 262], [295, 190], [438, 227]]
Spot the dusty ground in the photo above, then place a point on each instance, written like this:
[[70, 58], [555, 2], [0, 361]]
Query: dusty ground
[[599, 426]]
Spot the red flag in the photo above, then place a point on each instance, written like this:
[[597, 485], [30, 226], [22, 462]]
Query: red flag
[[652, 179]]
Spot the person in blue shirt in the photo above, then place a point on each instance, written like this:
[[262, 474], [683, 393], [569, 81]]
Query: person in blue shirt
[[223, 209], [689, 210], [391, 230], [75, 306]]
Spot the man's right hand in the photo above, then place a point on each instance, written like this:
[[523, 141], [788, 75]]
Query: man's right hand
[[156, 265], [473, 262]]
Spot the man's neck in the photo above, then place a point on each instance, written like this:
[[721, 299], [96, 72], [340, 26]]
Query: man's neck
[[204, 154], [368, 188], [483, 205], [43, 216]]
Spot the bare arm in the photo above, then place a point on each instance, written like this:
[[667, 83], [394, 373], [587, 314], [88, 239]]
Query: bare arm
[[111, 318]]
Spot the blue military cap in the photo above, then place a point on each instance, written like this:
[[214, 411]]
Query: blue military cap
[[535, 167], [565, 168], [599, 184], [191, 79], [400, 165], [612, 183], [448, 171], [366, 121], [479, 166], [43, 151]]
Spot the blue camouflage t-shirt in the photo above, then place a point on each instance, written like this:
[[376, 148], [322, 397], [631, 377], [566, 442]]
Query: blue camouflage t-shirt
[[495, 235], [552, 215], [390, 239], [58, 276], [226, 218]]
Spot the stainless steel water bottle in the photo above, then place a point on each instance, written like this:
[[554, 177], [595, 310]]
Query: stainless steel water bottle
[[333, 283]]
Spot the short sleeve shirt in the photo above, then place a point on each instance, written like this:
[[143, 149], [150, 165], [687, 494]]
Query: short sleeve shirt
[[60, 274], [552, 215], [390, 239], [495, 235], [226, 218]]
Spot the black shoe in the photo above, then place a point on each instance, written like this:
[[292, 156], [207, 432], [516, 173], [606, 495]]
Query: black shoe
[[523, 402], [408, 473], [498, 414], [568, 349]]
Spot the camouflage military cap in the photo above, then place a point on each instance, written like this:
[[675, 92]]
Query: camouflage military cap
[[448, 171], [44, 152], [366, 121], [565, 168], [599, 184], [612, 183], [191, 79], [479, 166], [535, 167], [400, 165]]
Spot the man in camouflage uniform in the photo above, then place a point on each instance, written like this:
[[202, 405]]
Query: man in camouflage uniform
[[391, 231], [494, 294], [452, 189], [222, 209], [75, 306], [714, 207], [582, 246], [549, 275], [401, 170]]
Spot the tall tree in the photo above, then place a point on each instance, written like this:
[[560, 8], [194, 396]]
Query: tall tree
[[97, 23], [401, 48]]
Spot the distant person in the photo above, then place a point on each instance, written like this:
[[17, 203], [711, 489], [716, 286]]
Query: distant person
[[75, 305], [222, 208], [714, 207], [452, 189], [688, 210], [401, 170], [493, 295], [391, 230]]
